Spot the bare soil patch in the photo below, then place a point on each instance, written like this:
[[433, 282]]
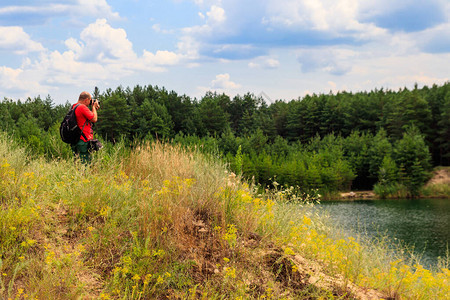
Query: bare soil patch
[[440, 176], [358, 195]]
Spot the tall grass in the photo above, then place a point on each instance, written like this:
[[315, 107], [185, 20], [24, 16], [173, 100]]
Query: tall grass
[[162, 221], [392, 191], [439, 190]]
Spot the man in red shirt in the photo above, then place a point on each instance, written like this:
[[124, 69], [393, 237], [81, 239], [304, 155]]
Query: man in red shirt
[[85, 119]]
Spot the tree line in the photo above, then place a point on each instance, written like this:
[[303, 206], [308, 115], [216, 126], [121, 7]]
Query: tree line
[[380, 138]]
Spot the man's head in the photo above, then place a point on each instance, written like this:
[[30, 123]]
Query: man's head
[[85, 98]]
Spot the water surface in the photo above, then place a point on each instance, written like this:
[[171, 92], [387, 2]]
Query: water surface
[[420, 223]]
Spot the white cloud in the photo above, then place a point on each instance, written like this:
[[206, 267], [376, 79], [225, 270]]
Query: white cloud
[[104, 43], [333, 61], [330, 15], [17, 81], [399, 71], [254, 38], [157, 28], [223, 82], [14, 39], [216, 14], [293, 13], [332, 85], [261, 24], [96, 8], [101, 54], [435, 40], [370, 8], [9, 77], [56, 69], [41, 12], [73, 45], [189, 46], [265, 63], [45, 9], [215, 19], [271, 63], [155, 62]]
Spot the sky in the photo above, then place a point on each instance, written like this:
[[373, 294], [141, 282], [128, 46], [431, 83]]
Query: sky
[[277, 49]]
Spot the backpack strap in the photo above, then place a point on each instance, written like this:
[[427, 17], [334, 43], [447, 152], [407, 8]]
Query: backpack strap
[[82, 133]]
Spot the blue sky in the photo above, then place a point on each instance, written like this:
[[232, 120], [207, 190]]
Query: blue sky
[[284, 49]]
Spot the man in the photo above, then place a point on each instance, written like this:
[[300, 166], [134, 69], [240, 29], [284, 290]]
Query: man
[[85, 119]]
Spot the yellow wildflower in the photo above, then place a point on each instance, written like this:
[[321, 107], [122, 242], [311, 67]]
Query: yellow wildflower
[[136, 277]]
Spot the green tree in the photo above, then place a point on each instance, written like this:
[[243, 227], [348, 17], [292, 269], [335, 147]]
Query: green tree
[[153, 120], [443, 138], [181, 110], [380, 147], [213, 115], [242, 113], [278, 112], [257, 142], [96, 93], [356, 151], [416, 111], [113, 117], [290, 120], [30, 134], [7, 123], [389, 172], [412, 154], [436, 98], [405, 109]]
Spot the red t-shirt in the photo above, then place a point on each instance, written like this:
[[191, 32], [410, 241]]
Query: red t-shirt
[[83, 113]]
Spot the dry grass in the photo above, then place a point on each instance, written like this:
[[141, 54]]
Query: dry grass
[[164, 222], [439, 185]]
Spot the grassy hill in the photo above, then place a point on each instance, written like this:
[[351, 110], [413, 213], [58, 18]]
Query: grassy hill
[[163, 222]]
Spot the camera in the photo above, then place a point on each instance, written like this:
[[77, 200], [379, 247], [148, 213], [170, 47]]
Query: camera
[[94, 145], [93, 101]]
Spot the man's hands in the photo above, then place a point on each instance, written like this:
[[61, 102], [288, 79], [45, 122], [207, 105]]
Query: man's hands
[[95, 106]]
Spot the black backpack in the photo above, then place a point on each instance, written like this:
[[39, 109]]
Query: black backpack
[[69, 130]]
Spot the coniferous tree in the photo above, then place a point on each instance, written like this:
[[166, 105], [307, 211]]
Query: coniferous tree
[[443, 138], [412, 154], [379, 149], [278, 112], [113, 117], [213, 115]]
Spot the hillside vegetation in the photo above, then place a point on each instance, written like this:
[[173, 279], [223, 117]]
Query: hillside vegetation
[[384, 140], [161, 222]]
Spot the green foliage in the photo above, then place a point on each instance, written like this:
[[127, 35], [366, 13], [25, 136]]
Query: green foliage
[[388, 172], [388, 176], [411, 153], [213, 116], [113, 117], [154, 120], [380, 148], [321, 141], [356, 151], [158, 221], [443, 138], [238, 161]]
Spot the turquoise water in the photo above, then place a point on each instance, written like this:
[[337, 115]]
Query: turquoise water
[[423, 224]]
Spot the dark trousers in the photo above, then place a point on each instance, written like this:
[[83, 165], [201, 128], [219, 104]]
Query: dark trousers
[[80, 150]]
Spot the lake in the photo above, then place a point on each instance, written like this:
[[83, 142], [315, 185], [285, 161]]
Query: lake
[[421, 223]]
